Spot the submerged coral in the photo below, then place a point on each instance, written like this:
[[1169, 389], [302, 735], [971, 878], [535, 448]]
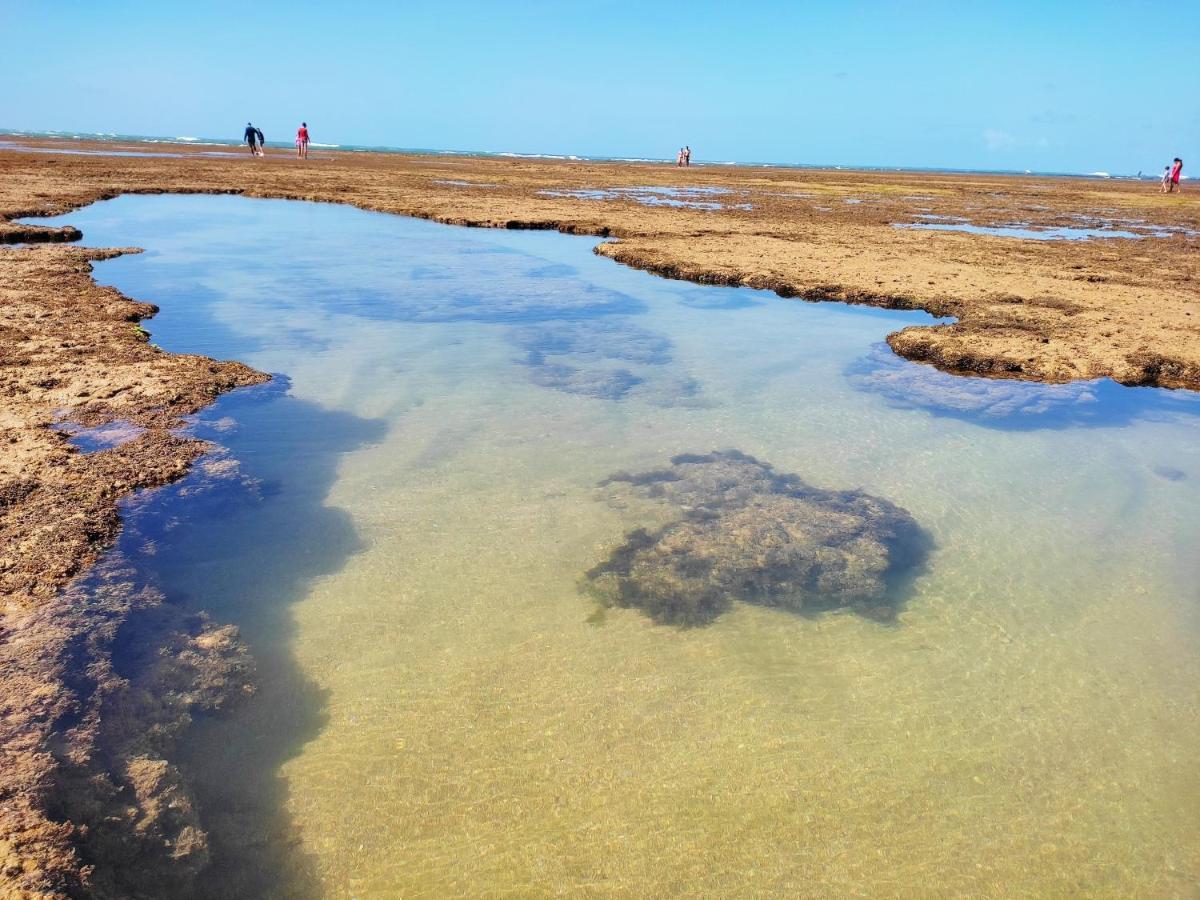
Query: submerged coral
[[750, 533], [572, 355], [92, 805], [606, 384], [609, 338]]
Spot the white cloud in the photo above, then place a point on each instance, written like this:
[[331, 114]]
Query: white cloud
[[998, 140]]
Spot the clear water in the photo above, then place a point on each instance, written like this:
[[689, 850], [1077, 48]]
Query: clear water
[[680, 197], [101, 437], [1065, 233], [442, 711]]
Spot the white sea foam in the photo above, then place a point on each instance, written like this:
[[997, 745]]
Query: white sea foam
[[535, 155]]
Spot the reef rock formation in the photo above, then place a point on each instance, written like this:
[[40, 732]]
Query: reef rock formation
[[753, 534], [607, 338], [90, 803], [573, 356]]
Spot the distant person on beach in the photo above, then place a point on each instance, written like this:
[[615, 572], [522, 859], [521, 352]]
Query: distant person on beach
[[251, 136], [1176, 174], [1166, 180], [679, 158], [262, 142], [302, 141], [687, 156]]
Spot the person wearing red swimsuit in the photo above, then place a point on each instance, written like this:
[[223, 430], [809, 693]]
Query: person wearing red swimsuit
[[302, 141], [1176, 170]]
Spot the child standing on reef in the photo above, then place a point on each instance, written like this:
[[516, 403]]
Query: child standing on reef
[[302, 141], [1166, 180]]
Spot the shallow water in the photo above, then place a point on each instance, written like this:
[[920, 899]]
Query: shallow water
[[402, 528], [681, 197], [1064, 233]]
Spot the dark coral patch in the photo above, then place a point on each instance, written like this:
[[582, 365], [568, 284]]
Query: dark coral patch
[[750, 533]]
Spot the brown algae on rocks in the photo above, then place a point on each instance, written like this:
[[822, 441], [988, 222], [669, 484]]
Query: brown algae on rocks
[[749, 533]]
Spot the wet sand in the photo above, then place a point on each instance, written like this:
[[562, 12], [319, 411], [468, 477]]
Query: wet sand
[[71, 350]]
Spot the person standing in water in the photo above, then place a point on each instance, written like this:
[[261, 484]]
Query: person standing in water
[[302, 141], [687, 156], [1176, 173], [251, 136], [262, 142]]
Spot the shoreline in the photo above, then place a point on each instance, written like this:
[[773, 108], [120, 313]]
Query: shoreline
[[73, 350], [145, 140]]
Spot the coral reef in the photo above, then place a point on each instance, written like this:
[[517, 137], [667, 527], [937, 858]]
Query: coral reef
[[609, 338], [571, 355], [101, 683], [750, 533]]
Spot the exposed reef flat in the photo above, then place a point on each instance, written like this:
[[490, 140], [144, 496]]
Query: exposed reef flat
[[87, 796], [72, 352], [1043, 310], [748, 533]]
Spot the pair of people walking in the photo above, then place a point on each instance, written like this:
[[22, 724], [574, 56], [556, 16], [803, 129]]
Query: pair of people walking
[[1171, 176], [255, 140], [258, 144], [684, 158]]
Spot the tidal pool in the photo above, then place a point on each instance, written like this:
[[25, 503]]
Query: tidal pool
[[403, 528]]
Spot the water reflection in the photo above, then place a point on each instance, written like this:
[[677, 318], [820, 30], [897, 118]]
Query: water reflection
[[1009, 404]]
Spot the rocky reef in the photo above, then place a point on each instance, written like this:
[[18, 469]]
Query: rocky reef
[[102, 681], [92, 804], [748, 533], [609, 358], [608, 338]]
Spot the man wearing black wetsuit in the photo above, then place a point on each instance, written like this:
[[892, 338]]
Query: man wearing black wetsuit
[[251, 136]]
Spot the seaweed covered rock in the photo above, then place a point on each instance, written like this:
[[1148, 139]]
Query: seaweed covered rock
[[753, 534]]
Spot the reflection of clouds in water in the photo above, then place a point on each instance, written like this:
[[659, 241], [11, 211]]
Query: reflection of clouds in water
[[100, 437], [719, 298], [445, 287], [1011, 404]]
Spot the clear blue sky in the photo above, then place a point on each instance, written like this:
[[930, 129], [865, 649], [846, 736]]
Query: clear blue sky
[[1028, 84]]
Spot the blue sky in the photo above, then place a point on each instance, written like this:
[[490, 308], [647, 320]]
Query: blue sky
[[1065, 86]]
